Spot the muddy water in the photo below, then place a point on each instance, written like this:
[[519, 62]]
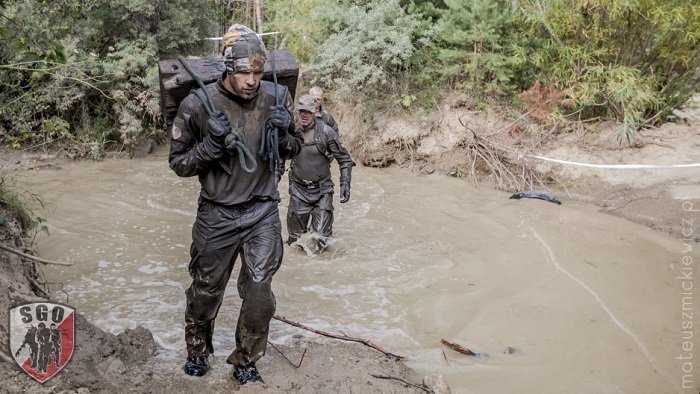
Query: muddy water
[[555, 299]]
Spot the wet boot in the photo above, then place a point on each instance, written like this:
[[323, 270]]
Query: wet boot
[[246, 374], [196, 365]]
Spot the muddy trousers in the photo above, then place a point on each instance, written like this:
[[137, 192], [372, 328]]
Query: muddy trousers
[[220, 234], [318, 208]]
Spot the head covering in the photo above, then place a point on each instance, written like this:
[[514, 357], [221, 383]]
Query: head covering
[[243, 50], [307, 103]]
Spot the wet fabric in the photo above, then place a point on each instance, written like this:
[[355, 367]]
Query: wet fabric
[[328, 119], [243, 50], [307, 103], [310, 183], [309, 212], [237, 216], [220, 234], [223, 180]]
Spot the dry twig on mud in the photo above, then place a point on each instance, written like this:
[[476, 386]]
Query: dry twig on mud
[[285, 357], [510, 173], [341, 337], [445, 357], [422, 387], [34, 258], [458, 348]]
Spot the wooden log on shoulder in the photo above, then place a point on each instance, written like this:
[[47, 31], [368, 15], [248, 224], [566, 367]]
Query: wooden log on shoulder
[[176, 83]]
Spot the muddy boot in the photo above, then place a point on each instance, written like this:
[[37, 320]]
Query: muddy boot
[[196, 366], [246, 374]]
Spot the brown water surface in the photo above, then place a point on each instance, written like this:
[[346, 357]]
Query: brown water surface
[[555, 299]]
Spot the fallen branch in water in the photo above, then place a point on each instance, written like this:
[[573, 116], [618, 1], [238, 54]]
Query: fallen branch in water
[[422, 387], [341, 337], [34, 258], [285, 357], [458, 348]]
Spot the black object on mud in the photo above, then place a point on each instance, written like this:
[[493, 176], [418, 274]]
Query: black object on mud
[[536, 195], [246, 374], [196, 366]]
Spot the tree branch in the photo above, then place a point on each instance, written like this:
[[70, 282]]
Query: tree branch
[[341, 337], [34, 258]]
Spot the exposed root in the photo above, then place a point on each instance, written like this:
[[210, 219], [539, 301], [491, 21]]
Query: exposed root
[[506, 167]]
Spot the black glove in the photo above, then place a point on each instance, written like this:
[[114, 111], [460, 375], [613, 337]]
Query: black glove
[[344, 192], [280, 118], [218, 127], [211, 148]]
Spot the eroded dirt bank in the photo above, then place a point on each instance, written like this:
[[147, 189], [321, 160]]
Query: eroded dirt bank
[[465, 143]]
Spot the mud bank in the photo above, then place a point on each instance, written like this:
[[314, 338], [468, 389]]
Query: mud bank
[[443, 142], [101, 362]]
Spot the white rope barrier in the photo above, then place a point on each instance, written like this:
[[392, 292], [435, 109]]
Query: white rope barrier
[[618, 166]]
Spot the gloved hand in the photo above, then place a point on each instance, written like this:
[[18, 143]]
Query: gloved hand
[[211, 148], [344, 192], [280, 118], [218, 127]]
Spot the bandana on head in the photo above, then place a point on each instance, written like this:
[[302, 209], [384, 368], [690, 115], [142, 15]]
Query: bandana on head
[[243, 50]]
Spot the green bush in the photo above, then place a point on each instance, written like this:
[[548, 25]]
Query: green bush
[[16, 203], [300, 28], [368, 46], [86, 73], [633, 61]]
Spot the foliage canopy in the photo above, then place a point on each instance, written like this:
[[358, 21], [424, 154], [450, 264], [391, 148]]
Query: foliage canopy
[[85, 71]]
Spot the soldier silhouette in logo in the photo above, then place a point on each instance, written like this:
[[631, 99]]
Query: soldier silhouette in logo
[[30, 340], [56, 344], [43, 337]]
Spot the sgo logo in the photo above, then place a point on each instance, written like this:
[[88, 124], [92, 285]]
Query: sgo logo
[[42, 336]]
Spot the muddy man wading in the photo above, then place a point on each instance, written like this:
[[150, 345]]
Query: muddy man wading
[[237, 212]]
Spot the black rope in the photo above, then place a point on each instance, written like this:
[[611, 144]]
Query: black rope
[[244, 154], [269, 149]]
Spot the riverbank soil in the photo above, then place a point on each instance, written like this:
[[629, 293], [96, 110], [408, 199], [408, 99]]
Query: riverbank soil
[[446, 141]]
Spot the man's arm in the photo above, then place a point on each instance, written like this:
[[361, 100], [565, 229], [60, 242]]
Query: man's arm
[[191, 151], [330, 120], [343, 158]]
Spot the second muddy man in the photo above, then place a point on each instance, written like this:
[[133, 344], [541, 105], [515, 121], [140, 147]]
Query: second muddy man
[[310, 183]]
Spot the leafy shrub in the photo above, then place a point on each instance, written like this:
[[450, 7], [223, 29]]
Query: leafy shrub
[[634, 61], [86, 72], [369, 45]]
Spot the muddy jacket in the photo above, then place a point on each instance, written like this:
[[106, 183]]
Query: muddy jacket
[[223, 180], [328, 119], [311, 168]]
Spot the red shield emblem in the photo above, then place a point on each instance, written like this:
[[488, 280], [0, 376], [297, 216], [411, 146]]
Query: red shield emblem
[[42, 335]]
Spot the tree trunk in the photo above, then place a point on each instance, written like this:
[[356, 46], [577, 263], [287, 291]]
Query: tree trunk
[[258, 15]]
